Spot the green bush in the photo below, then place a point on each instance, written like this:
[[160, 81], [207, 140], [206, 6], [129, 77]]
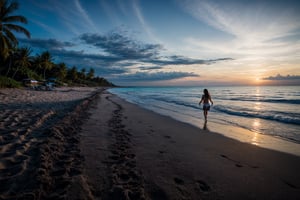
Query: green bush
[[6, 82]]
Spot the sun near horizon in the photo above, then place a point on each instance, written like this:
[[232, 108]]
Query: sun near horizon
[[207, 41]]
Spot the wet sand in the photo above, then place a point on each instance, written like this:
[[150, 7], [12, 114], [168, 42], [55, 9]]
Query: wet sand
[[81, 143], [132, 153]]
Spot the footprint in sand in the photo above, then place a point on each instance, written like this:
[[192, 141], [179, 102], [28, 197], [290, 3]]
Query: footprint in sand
[[238, 163], [203, 186], [151, 131], [178, 181], [290, 184], [169, 138]]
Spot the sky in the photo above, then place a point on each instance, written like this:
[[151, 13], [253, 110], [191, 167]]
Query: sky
[[171, 42]]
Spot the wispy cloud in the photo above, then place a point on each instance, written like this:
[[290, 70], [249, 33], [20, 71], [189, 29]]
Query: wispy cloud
[[143, 22], [150, 68], [256, 27], [156, 76], [111, 11], [66, 13], [257, 38], [71, 16], [46, 27], [46, 44], [85, 16], [181, 60], [258, 20]]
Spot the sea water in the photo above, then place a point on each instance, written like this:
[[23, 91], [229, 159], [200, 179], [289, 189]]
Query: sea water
[[265, 110]]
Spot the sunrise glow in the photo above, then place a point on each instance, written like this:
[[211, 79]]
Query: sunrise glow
[[200, 42]]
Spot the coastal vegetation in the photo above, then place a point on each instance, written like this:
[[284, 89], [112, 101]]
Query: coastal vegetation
[[17, 63]]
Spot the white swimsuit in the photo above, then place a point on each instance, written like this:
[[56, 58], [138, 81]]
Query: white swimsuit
[[206, 106]]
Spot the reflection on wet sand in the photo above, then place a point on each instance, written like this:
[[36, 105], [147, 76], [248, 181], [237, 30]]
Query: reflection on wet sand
[[256, 125]]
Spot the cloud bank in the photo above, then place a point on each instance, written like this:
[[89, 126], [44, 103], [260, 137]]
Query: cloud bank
[[283, 80], [121, 46], [280, 77], [119, 57]]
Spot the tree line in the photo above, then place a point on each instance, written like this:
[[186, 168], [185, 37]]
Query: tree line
[[17, 63]]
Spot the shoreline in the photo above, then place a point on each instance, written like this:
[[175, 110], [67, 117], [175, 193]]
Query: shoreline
[[238, 133], [251, 137], [139, 154]]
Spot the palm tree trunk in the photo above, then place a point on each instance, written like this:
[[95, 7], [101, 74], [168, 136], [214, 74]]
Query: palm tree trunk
[[9, 66], [15, 72], [45, 74]]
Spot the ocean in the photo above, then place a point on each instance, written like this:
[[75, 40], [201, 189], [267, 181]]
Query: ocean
[[262, 110]]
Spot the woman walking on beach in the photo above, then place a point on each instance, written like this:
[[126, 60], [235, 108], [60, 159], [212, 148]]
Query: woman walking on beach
[[206, 98]]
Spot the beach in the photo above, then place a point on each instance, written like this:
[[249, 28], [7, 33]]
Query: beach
[[86, 143], [39, 152]]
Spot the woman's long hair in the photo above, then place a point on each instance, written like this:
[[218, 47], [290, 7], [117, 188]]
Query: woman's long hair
[[206, 93]]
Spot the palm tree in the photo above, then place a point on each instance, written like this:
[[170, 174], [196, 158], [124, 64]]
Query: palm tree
[[23, 60], [7, 25], [72, 74], [82, 73], [44, 61], [8, 59], [62, 73], [59, 71], [91, 74]]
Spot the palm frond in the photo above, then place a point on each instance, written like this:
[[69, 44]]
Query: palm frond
[[7, 26], [18, 29], [16, 18], [10, 36], [5, 43], [9, 8]]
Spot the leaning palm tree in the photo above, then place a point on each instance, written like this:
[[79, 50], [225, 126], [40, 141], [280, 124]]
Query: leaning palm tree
[[8, 25]]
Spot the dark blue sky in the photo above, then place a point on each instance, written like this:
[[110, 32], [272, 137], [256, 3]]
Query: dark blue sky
[[170, 42]]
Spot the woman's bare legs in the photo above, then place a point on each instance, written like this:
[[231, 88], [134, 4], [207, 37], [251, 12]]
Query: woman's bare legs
[[205, 114]]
